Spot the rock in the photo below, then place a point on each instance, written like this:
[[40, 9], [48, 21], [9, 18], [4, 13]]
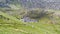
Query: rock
[[27, 19]]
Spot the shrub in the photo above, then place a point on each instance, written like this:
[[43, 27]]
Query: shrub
[[36, 13]]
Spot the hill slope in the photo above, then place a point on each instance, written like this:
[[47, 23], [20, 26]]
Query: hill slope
[[10, 22]]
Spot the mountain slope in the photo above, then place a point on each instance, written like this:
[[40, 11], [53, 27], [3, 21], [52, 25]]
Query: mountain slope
[[47, 4], [14, 26]]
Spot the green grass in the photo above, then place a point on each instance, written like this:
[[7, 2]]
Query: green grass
[[15, 26]]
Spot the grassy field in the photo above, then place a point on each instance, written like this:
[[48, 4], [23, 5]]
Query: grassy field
[[11, 25]]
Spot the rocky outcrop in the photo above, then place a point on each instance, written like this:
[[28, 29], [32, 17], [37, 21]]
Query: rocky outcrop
[[47, 4]]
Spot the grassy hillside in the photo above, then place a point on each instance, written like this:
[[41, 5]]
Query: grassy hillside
[[11, 25], [11, 14]]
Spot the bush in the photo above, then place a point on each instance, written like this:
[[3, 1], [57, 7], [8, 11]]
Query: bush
[[36, 13]]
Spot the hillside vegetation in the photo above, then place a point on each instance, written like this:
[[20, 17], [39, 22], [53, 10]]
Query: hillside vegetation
[[11, 25], [13, 15]]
